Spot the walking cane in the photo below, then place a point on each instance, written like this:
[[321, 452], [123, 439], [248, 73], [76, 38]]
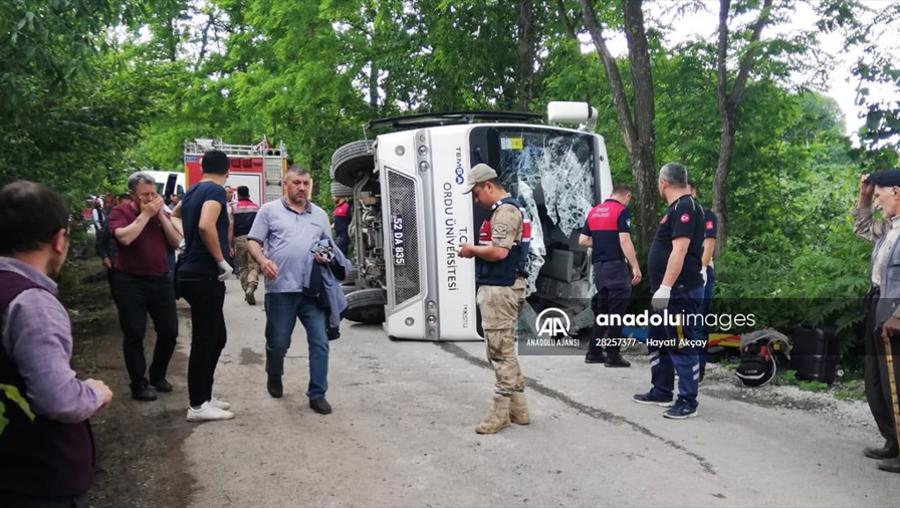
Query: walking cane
[[889, 357]]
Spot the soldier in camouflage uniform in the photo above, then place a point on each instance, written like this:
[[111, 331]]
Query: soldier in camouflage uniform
[[500, 263]]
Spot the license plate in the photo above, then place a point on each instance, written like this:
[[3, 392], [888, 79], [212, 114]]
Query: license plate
[[398, 240]]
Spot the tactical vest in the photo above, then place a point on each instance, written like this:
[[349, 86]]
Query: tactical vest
[[507, 270], [38, 456]]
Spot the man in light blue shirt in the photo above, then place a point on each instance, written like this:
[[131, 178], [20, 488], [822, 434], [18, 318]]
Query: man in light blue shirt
[[282, 235]]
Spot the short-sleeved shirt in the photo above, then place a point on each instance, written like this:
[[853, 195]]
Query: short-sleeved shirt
[[196, 257], [287, 237], [683, 218], [603, 224], [147, 255]]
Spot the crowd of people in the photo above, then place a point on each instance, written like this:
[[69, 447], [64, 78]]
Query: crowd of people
[[46, 446]]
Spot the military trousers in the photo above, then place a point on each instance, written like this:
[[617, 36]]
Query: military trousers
[[500, 307], [248, 267]]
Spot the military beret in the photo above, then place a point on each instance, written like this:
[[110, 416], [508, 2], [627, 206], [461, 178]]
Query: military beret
[[885, 178]]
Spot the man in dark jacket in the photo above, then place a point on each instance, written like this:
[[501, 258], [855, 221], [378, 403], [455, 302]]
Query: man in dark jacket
[[882, 320], [46, 447]]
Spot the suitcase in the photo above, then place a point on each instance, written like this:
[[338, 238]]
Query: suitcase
[[814, 354]]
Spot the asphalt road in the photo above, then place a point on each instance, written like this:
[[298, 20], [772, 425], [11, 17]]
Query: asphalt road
[[402, 434]]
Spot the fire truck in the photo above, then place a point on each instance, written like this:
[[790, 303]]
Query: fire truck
[[260, 167]]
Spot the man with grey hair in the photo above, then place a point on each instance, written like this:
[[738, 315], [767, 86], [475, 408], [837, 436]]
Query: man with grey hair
[[882, 319], [677, 286], [281, 239], [143, 233]]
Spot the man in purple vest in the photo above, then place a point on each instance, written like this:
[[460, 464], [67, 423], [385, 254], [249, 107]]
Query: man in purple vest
[[46, 447]]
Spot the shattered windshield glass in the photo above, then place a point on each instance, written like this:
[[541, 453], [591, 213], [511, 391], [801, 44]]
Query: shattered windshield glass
[[550, 171]]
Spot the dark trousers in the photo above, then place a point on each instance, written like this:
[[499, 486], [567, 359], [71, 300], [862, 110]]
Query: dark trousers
[[878, 389], [13, 500], [135, 298], [206, 296], [666, 361], [342, 240], [111, 279], [613, 282]]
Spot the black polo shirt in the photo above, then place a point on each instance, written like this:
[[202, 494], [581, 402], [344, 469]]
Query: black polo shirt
[[603, 224], [683, 218]]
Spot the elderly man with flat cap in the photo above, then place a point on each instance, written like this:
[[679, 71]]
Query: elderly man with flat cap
[[499, 274], [882, 322]]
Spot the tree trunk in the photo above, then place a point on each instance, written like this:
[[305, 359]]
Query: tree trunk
[[373, 86], [644, 168], [525, 49], [637, 131], [727, 103]]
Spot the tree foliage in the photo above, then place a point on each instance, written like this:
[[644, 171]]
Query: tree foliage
[[91, 89]]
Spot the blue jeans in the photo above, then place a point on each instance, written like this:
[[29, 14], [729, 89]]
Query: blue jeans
[[664, 362], [282, 311]]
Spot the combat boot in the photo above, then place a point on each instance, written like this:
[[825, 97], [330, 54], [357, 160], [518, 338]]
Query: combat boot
[[518, 409], [498, 419]]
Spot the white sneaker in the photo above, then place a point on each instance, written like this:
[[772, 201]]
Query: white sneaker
[[208, 413], [221, 404]]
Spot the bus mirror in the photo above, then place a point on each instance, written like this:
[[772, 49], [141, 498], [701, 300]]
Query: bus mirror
[[579, 113]]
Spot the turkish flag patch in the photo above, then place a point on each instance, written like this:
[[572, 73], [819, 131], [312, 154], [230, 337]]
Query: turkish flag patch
[[685, 218], [709, 225]]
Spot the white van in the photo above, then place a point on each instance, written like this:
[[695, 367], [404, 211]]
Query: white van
[[168, 182], [409, 215]]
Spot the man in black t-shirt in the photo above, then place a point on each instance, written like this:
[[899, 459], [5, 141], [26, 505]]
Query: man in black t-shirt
[[676, 283], [200, 274]]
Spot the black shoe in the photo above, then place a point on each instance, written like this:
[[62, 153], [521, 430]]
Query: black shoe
[[595, 358], [143, 392], [161, 385], [616, 360], [274, 386], [320, 406], [890, 465], [880, 453]]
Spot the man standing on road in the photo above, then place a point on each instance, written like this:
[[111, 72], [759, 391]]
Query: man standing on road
[[46, 446], [710, 228], [282, 236], [144, 234], [608, 230], [499, 273], [244, 213], [200, 274], [882, 322], [343, 213], [106, 251], [677, 286]]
